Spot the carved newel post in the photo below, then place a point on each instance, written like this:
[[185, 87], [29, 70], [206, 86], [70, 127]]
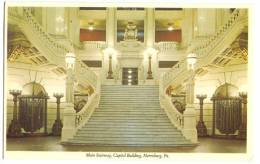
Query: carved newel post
[[201, 128], [189, 115], [57, 126], [69, 113], [243, 128], [14, 129]]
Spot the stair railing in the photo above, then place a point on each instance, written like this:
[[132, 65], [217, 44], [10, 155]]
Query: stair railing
[[55, 53], [206, 50], [173, 114], [86, 112], [179, 72]]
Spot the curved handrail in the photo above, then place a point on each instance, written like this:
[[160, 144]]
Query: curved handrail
[[55, 51], [173, 114], [205, 48], [85, 113]]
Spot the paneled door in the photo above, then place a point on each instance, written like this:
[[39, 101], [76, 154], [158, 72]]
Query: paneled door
[[130, 76]]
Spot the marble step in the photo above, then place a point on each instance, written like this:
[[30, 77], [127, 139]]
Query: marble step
[[145, 97], [126, 108], [129, 112], [129, 87], [131, 139], [153, 104], [115, 123], [119, 120], [129, 132], [100, 118], [131, 143], [136, 127], [133, 117], [109, 134]]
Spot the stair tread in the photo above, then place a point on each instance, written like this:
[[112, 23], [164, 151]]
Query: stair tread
[[129, 115]]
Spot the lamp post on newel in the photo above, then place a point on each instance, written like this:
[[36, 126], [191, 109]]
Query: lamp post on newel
[[189, 128], [57, 126], [69, 113], [150, 52], [14, 129], [201, 128], [110, 52]]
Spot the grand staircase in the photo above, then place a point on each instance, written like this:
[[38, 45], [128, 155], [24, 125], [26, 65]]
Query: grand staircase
[[129, 116]]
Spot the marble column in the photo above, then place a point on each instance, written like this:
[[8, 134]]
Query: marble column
[[73, 23], [188, 27], [111, 25], [149, 38], [111, 29], [149, 28], [206, 20]]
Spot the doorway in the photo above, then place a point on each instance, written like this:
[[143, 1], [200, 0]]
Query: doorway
[[130, 76]]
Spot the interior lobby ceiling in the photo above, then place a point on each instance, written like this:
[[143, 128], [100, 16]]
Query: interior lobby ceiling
[[98, 18]]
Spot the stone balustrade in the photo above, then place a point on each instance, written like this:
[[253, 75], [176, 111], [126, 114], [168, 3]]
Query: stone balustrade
[[179, 72], [55, 52], [204, 51], [94, 45], [166, 46]]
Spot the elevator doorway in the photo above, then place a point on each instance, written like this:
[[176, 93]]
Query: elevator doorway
[[130, 76]]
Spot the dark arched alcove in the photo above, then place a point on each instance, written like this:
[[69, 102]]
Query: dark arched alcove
[[227, 109], [33, 107]]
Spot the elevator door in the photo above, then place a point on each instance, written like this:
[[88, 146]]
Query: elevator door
[[130, 76]]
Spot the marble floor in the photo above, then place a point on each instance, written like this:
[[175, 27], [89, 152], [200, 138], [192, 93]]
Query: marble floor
[[206, 145]]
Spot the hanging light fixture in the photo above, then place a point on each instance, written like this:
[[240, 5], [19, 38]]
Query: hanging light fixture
[[170, 27], [90, 26]]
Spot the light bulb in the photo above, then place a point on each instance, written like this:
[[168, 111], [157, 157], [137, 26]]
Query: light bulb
[[170, 28], [91, 28]]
